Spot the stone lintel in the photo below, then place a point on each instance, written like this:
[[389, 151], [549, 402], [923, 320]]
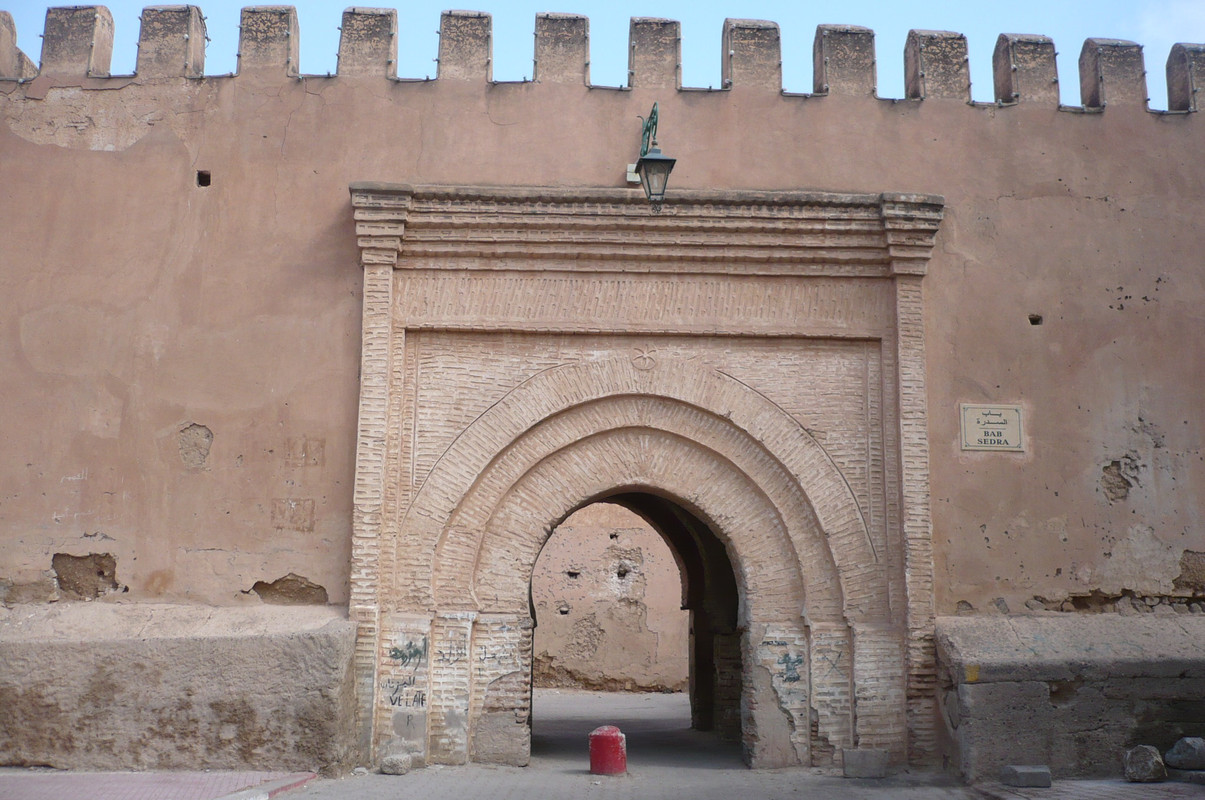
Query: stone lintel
[[171, 42], [77, 41], [654, 53], [1112, 73], [765, 232], [562, 53], [465, 46], [843, 61], [752, 54], [935, 66], [269, 37], [1024, 70], [368, 42]]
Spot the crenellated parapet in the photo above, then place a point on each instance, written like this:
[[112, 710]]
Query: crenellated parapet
[[1185, 77], [1024, 69], [13, 63], [78, 40], [172, 43], [936, 65], [78, 43], [1111, 71]]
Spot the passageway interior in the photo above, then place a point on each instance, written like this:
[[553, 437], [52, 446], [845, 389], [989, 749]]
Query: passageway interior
[[656, 724], [635, 603]]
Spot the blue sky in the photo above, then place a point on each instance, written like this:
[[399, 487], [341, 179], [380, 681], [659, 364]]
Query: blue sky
[[1156, 24]]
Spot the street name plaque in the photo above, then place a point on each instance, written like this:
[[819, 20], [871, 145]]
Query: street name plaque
[[991, 427]]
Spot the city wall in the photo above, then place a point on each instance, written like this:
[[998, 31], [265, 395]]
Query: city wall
[[181, 294]]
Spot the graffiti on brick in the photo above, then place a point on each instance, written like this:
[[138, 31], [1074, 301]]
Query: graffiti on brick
[[406, 684], [408, 653], [790, 664], [451, 653], [401, 693], [502, 654]]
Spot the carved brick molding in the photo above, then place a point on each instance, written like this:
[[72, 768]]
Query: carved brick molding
[[754, 358]]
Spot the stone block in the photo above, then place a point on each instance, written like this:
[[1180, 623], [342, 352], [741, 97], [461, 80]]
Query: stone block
[[863, 762], [1187, 753], [935, 66], [1196, 776], [654, 53], [396, 764], [13, 63], [269, 38], [1185, 75], [562, 49], [1037, 647], [77, 40], [171, 42], [752, 54], [1002, 723], [1024, 69], [1025, 775], [103, 686], [1064, 689], [1111, 73], [843, 61], [1143, 764], [368, 42], [465, 46]]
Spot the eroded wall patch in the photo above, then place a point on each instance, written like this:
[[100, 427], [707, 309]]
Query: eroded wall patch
[[1118, 477], [291, 590], [85, 577], [194, 443]]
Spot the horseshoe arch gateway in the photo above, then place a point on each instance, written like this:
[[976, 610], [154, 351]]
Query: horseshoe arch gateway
[[745, 370]]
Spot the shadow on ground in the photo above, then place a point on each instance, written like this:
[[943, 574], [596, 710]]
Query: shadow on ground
[[657, 727]]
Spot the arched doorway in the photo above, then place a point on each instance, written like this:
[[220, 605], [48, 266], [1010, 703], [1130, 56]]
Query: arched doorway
[[707, 592], [760, 377], [718, 467]]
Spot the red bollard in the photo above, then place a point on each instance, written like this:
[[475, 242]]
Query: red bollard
[[608, 751]]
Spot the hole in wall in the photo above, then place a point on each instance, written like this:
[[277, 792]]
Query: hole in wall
[[291, 590], [1035, 319], [203, 178], [194, 442], [85, 577]]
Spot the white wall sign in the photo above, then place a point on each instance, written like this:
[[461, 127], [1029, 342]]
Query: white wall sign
[[991, 428]]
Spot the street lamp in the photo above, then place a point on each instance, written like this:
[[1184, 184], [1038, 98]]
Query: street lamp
[[653, 167]]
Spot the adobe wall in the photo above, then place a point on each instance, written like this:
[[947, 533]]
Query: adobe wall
[[138, 304], [180, 294], [607, 596]]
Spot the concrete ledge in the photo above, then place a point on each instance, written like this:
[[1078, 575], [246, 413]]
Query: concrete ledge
[[101, 686], [1026, 775], [1071, 691], [864, 763]]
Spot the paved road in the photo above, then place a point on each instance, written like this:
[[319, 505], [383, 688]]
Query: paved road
[[665, 760], [668, 761]]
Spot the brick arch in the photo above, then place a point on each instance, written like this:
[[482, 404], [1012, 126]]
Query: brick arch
[[643, 460], [546, 413]]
